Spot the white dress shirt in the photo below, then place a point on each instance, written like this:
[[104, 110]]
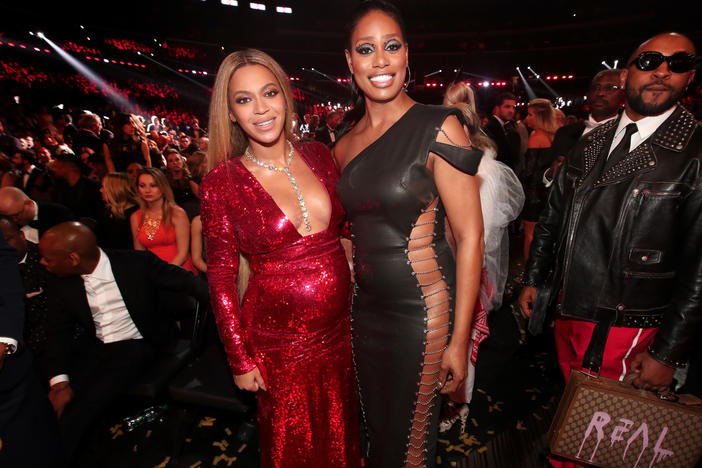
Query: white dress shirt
[[30, 233], [645, 128], [591, 124], [110, 315]]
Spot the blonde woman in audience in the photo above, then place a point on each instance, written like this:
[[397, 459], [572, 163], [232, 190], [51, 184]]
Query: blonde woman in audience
[[114, 230], [159, 225], [541, 119]]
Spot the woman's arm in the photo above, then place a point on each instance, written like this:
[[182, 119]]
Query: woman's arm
[[194, 188], [134, 224], [145, 152], [182, 232], [108, 158], [196, 245], [461, 199]]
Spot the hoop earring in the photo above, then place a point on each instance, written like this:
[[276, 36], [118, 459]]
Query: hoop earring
[[408, 78]]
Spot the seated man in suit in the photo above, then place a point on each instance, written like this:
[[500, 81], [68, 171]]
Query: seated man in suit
[[26, 433], [34, 217], [33, 277], [114, 295]]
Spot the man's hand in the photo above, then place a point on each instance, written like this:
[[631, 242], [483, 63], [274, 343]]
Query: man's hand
[[526, 300], [60, 395], [653, 375], [3, 351]]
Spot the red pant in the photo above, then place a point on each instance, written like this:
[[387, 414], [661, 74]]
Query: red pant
[[623, 344]]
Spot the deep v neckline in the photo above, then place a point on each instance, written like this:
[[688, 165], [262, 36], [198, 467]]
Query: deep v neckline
[[261, 188], [377, 140]]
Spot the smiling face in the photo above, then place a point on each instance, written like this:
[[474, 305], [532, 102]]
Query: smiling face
[[148, 188], [654, 92], [378, 56], [257, 103]]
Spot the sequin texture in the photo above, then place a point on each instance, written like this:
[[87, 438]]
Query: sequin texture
[[294, 320]]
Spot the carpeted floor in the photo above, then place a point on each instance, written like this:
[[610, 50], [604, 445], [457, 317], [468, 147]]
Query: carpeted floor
[[517, 389]]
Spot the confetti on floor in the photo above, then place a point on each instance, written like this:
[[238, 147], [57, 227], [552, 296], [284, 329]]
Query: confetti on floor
[[164, 463]]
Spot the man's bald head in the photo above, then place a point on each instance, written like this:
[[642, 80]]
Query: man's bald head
[[668, 40], [69, 248], [17, 205], [651, 91]]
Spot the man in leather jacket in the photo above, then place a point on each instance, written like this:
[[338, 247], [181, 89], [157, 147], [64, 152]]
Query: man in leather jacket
[[617, 251]]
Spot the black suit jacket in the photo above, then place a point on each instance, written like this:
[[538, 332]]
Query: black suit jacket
[[505, 152], [140, 276], [17, 365], [322, 135], [51, 214], [566, 137]]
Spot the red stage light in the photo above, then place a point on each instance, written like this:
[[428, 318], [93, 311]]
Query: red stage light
[[570, 77], [23, 46], [47, 51], [564, 77], [555, 77], [480, 83], [10, 44]]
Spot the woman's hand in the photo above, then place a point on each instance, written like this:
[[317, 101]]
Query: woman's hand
[[454, 367], [251, 381]]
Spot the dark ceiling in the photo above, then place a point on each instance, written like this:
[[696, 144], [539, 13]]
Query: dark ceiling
[[484, 40]]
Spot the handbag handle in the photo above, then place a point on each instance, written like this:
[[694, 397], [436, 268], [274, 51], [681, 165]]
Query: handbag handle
[[667, 396]]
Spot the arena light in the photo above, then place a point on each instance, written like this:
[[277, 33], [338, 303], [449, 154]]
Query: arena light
[[616, 62], [530, 92], [257, 6], [283, 9], [606, 66], [230, 2], [110, 92]]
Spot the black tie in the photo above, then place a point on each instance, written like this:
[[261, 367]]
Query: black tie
[[622, 149]]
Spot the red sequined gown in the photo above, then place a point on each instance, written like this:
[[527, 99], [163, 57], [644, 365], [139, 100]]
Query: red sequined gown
[[294, 321]]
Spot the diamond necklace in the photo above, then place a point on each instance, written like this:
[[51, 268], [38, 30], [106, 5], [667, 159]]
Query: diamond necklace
[[286, 170]]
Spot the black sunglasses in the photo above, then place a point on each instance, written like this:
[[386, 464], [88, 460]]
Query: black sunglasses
[[679, 62]]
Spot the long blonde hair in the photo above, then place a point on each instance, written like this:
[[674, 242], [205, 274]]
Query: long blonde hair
[[227, 139], [544, 116], [461, 96], [119, 193], [166, 192]]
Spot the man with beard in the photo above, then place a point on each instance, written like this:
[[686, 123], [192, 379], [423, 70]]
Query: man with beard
[[605, 99], [617, 250]]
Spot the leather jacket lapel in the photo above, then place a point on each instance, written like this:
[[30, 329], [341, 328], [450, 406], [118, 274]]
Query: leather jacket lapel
[[641, 158]]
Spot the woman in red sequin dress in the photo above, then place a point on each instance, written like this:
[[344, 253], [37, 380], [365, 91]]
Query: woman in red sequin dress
[[276, 204]]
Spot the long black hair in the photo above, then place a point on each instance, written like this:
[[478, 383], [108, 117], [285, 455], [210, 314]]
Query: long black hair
[[365, 7]]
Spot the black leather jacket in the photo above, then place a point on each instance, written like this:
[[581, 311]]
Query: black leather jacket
[[625, 247]]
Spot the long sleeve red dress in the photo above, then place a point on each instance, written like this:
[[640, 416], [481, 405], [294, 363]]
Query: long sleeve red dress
[[294, 320]]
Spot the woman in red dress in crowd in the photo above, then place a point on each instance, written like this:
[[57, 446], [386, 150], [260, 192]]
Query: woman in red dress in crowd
[[159, 225], [275, 203]]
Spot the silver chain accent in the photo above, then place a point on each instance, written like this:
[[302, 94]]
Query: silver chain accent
[[286, 170]]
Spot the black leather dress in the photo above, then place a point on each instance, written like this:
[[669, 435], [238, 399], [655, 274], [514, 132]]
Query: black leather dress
[[405, 274], [536, 162]]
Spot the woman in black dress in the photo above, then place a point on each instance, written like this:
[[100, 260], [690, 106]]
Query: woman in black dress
[[114, 231], [405, 168]]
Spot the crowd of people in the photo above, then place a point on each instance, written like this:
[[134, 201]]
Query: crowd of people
[[403, 207]]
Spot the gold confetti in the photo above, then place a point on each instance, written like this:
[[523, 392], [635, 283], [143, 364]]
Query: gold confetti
[[474, 421], [532, 390], [134, 449], [207, 421], [115, 428], [188, 440], [495, 407], [148, 433], [453, 463], [196, 464], [163, 463], [242, 448], [482, 449], [222, 445], [489, 398], [538, 417], [472, 441], [449, 448], [117, 434], [228, 431], [491, 432], [438, 460], [225, 458], [533, 397], [481, 391], [520, 426], [443, 441]]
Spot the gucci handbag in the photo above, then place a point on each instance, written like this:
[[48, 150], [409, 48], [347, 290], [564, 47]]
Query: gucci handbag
[[607, 423]]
